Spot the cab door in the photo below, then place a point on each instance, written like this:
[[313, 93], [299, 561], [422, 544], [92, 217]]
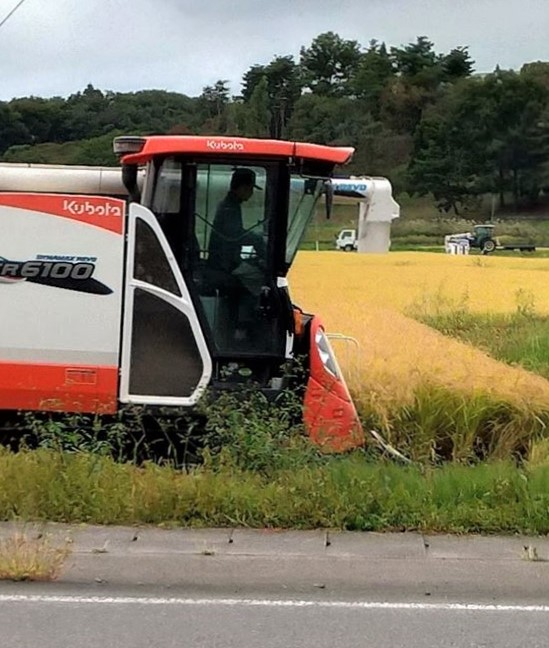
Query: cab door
[[165, 360]]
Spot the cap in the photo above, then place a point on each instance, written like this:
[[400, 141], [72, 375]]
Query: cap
[[244, 177]]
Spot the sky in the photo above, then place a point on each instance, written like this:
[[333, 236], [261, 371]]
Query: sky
[[57, 47]]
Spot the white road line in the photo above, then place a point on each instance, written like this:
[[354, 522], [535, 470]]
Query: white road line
[[274, 603]]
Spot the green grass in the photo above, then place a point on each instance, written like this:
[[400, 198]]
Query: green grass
[[343, 493], [469, 472], [520, 338]]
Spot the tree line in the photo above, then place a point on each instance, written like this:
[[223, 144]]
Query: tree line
[[422, 118]]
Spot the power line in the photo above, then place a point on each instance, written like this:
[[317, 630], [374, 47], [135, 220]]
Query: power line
[[10, 14]]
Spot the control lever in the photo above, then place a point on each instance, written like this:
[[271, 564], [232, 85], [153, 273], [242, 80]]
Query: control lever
[[265, 301]]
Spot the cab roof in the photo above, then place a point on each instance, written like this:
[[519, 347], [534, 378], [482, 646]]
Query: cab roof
[[139, 150]]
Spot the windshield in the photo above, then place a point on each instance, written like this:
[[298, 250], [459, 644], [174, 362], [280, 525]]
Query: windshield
[[244, 231], [304, 195], [219, 222]]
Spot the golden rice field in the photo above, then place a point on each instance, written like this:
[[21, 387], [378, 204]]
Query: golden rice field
[[366, 297]]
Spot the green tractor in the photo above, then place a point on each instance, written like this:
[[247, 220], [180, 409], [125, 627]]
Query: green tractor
[[482, 238]]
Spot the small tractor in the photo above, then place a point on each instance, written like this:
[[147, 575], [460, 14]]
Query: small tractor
[[482, 238]]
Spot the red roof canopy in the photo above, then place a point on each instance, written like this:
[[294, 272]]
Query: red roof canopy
[[238, 146]]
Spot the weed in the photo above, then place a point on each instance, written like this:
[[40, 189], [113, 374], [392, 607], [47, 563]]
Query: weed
[[250, 432], [25, 557], [479, 262], [440, 425], [75, 433], [526, 305]]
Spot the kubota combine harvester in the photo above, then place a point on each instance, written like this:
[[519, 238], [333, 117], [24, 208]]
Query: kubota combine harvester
[[150, 283]]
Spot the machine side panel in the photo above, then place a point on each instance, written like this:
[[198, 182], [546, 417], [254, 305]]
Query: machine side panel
[[61, 265], [58, 387]]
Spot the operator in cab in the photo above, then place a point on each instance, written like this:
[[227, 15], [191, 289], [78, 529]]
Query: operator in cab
[[243, 275], [228, 234]]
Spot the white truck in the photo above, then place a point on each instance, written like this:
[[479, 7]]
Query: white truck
[[377, 209], [346, 240]]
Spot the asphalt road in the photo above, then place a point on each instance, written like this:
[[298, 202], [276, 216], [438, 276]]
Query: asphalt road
[[55, 617], [141, 588]]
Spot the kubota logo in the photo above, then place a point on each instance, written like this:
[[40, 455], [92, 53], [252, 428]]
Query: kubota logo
[[88, 208], [216, 145]]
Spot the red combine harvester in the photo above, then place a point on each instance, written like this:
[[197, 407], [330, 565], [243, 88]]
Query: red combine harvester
[[149, 284]]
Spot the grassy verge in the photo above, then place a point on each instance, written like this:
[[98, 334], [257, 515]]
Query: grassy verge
[[518, 338], [258, 470], [344, 493]]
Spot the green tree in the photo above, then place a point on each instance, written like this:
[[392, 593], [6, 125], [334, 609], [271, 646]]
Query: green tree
[[256, 116], [42, 118], [329, 65], [537, 71], [373, 73], [329, 120], [212, 106], [150, 111], [513, 110], [457, 64], [81, 114], [421, 76], [97, 151], [382, 152], [414, 59], [214, 99], [445, 164], [402, 104], [283, 90], [488, 134], [418, 74], [251, 79], [12, 129], [93, 151]]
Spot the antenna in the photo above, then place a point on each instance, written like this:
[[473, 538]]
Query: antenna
[[10, 14]]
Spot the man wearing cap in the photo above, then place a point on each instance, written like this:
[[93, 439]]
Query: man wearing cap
[[241, 278], [228, 234]]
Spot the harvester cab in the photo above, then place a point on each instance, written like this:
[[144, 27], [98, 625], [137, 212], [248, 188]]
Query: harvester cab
[[180, 288]]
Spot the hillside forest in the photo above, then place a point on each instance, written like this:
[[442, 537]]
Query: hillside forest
[[427, 120]]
